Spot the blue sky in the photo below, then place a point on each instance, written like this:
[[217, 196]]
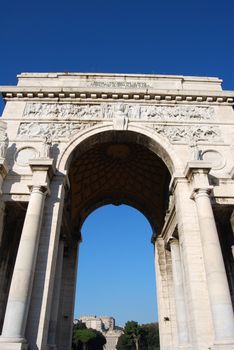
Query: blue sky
[[116, 266], [163, 37]]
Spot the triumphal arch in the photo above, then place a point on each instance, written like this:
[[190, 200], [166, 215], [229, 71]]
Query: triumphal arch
[[70, 143]]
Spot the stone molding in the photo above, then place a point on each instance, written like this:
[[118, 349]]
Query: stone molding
[[72, 94]]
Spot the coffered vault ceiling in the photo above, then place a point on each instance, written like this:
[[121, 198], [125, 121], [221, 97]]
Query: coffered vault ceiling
[[119, 173]]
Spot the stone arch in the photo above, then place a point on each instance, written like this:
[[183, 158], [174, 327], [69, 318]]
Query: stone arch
[[142, 138], [156, 143], [195, 309]]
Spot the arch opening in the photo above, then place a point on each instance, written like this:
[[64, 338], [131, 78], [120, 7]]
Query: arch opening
[[115, 167], [118, 168], [116, 266]]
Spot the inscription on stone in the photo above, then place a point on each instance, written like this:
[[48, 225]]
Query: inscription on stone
[[120, 84]]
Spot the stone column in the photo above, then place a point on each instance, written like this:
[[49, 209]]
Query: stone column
[[13, 333], [56, 298], [195, 286], [21, 285], [217, 283], [181, 312]]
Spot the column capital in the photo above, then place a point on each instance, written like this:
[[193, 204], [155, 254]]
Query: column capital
[[42, 172], [38, 189], [197, 173], [202, 191], [197, 167], [43, 164]]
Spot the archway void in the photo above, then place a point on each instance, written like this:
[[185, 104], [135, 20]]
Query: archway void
[[116, 274], [118, 168]]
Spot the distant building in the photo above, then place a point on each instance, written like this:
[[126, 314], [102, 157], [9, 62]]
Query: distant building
[[105, 325]]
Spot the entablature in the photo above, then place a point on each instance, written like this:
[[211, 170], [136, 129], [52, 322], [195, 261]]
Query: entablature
[[61, 94]]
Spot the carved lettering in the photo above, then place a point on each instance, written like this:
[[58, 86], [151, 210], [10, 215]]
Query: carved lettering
[[120, 84]]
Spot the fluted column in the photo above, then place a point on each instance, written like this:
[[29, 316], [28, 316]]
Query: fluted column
[[181, 313], [22, 279], [218, 289]]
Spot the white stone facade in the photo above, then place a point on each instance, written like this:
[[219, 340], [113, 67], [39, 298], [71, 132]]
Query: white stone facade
[[163, 144], [101, 323]]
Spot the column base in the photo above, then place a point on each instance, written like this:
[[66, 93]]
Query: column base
[[13, 343]]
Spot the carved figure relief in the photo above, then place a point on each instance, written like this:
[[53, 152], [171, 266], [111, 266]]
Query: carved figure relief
[[195, 152], [47, 146], [4, 142], [56, 130], [120, 120], [184, 134], [107, 111]]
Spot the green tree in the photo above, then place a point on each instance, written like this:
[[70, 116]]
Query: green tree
[[131, 337], [98, 342], [139, 337], [150, 337], [87, 338]]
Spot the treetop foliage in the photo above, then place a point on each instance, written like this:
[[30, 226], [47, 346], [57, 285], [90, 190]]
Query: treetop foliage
[[139, 337], [87, 338]]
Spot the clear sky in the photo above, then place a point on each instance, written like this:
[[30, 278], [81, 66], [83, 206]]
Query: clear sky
[[182, 37], [116, 266]]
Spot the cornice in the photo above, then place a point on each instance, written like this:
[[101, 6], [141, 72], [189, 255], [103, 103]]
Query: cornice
[[97, 94]]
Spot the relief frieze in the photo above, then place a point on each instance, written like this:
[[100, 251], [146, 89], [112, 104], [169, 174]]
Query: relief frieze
[[185, 134], [174, 133], [107, 111], [56, 130]]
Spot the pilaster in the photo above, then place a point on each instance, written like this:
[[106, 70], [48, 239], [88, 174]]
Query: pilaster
[[181, 312]]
